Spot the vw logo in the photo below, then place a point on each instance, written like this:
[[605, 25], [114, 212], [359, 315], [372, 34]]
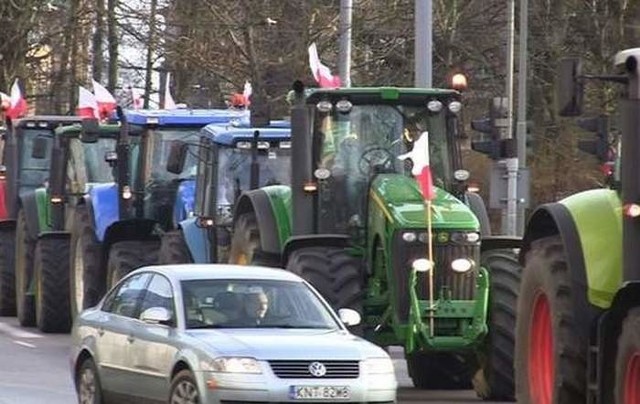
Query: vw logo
[[317, 369]]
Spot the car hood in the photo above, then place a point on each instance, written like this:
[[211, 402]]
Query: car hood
[[274, 344]]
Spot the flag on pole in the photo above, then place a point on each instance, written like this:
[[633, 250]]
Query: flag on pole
[[106, 101], [169, 103], [321, 73], [17, 104], [136, 97], [246, 93], [87, 104], [421, 169]]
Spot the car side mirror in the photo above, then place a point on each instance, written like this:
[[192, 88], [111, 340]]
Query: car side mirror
[[349, 317], [90, 131], [40, 146], [177, 156], [156, 315]]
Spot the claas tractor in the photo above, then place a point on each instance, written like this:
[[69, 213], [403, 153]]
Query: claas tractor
[[20, 174], [578, 326], [354, 224], [75, 156], [231, 160], [117, 226]]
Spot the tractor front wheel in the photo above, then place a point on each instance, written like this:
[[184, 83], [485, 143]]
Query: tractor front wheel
[[174, 249], [439, 371], [550, 355], [24, 252], [494, 380], [7, 274], [125, 256], [245, 240], [627, 390], [52, 285]]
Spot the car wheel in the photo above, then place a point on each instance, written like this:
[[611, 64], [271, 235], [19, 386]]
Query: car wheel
[[88, 383], [184, 389]]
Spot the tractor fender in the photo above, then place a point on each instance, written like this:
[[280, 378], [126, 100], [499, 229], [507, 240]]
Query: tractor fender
[[185, 199], [129, 230], [555, 219], [55, 235], [500, 242], [34, 206], [197, 240], [271, 213], [313, 240], [104, 207]]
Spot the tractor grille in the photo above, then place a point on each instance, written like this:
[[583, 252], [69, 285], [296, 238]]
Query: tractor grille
[[457, 286], [293, 369]]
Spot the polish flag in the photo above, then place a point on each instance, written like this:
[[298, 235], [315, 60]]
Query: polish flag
[[420, 158], [321, 73], [17, 104], [169, 102], [87, 104], [136, 97], [246, 93], [106, 102]]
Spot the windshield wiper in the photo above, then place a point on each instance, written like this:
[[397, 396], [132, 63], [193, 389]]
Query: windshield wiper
[[318, 327], [205, 326]]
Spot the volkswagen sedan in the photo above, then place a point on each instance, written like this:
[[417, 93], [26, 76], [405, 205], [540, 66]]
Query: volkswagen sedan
[[223, 334]]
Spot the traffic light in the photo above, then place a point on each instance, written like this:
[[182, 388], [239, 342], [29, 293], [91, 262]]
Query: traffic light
[[493, 143], [599, 146]]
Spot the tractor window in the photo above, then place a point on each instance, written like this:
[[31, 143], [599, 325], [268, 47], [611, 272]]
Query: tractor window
[[87, 164], [34, 172]]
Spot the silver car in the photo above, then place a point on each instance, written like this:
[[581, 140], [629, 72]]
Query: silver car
[[223, 334]]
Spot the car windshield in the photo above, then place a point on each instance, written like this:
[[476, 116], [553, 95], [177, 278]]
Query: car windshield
[[253, 304]]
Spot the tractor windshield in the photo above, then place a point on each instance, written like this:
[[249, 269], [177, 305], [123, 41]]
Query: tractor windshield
[[87, 163], [367, 140], [33, 172]]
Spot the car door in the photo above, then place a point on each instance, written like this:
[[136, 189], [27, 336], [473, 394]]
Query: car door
[[153, 347], [114, 327]]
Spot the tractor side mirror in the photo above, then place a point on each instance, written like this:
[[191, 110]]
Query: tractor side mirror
[[569, 88], [90, 131], [177, 156], [111, 157], [40, 146]]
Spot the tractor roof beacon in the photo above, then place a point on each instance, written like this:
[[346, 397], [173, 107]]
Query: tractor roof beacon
[[353, 223], [578, 326]]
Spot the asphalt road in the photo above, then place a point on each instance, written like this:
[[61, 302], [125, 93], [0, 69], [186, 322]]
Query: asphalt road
[[34, 369]]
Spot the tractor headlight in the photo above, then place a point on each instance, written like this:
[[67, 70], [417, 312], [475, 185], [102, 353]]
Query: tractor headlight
[[324, 106], [465, 237], [434, 106], [461, 265], [421, 265], [409, 236], [455, 106]]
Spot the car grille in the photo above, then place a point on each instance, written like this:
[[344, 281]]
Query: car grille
[[300, 369]]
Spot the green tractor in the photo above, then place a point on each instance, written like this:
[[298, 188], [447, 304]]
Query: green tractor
[[578, 326], [354, 224]]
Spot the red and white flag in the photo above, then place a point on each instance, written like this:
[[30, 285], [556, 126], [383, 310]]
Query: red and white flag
[[87, 104], [419, 156], [136, 97], [17, 104], [169, 102], [106, 101], [246, 93], [321, 73]]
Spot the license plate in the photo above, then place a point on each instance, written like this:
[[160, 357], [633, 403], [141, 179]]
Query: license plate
[[319, 392]]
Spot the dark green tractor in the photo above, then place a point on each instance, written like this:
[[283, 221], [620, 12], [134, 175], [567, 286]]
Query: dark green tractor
[[354, 224]]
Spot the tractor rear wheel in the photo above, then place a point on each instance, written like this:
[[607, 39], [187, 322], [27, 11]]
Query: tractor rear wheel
[[494, 380], [479, 209], [550, 355], [627, 390], [174, 249], [7, 273], [51, 273], [245, 240], [87, 277], [439, 371], [335, 273], [25, 249], [125, 256]]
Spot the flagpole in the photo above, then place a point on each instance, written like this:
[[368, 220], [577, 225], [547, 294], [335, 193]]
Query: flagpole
[[433, 266]]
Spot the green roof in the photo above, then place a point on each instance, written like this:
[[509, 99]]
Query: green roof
[[394, 95], [104, 129]]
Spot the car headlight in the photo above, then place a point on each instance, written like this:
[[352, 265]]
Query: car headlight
[[235, 365], [377, 366]]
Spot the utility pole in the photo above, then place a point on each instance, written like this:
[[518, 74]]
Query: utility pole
[[423, 43], [521, 128], [346, 14]]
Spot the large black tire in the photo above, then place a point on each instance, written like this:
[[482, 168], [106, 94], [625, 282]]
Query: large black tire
[[628, 372], [174, 249], [7, 273], [495, 378], [125, 256], [546, 308], [476, 203], [24, 252], [245, 240], [184, 389], [439, 371], [88, 385], [87, 273], [336, 274], [51, 271]]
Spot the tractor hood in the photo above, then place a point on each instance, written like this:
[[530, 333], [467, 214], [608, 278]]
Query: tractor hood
[[400, 200]]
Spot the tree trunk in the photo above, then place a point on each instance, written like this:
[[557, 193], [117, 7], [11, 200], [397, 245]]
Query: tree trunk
[[112, 32], [98, 39]]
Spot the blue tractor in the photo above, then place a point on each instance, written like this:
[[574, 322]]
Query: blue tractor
[[231, 160], [117, 226]]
